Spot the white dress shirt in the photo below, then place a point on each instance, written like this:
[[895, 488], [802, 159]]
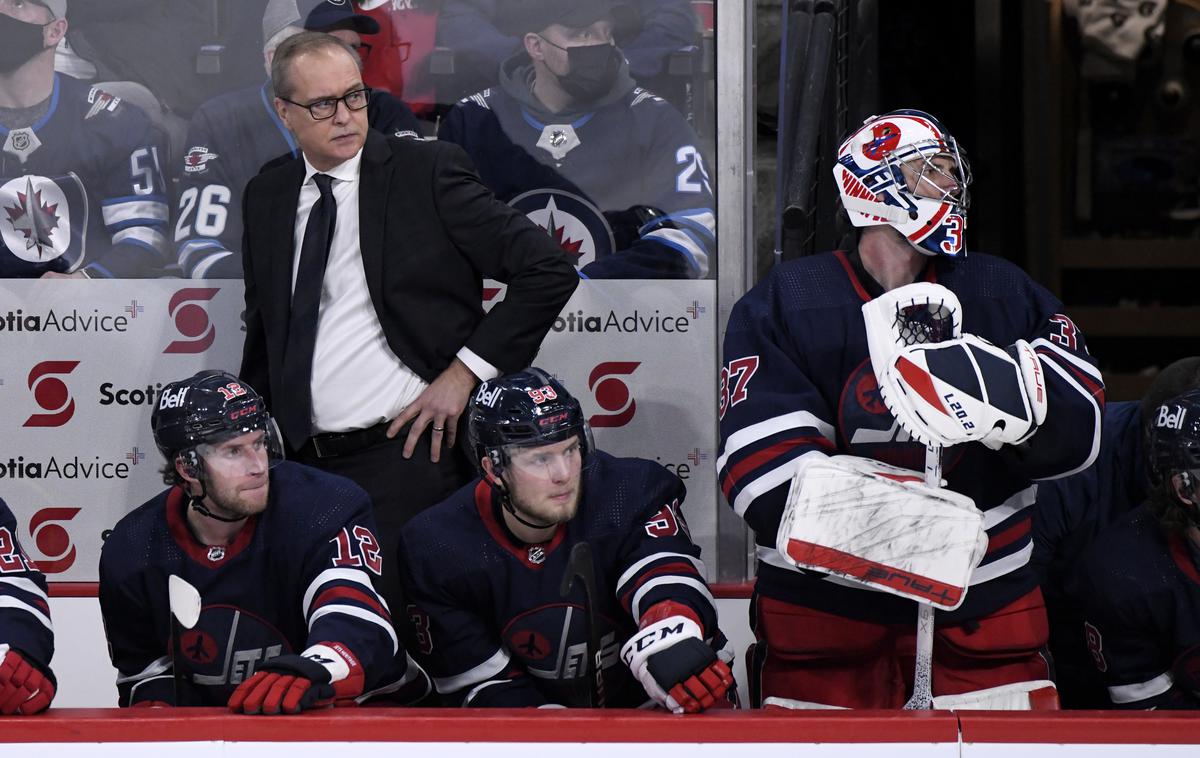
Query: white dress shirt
[[357, 381]]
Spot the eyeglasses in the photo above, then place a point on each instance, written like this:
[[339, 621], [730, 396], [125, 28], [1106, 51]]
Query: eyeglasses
[[325, 108]]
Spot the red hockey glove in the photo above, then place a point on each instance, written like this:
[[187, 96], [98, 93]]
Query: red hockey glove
[[675, 666], [293, 683], [25, 688]]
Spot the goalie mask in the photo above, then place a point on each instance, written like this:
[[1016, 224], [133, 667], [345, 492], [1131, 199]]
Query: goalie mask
[[526, 409], [905, 170], [205, 409]]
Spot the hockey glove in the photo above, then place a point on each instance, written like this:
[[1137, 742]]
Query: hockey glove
[[675, 666], [966, 390], [25, 688], [293, 683]]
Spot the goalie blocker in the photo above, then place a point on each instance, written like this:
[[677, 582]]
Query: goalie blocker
[[880, 526]]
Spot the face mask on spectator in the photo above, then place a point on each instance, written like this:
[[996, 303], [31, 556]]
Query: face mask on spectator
[[591, 70], [19, 41]]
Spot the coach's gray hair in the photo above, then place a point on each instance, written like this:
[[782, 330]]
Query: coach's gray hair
[[293, 47]]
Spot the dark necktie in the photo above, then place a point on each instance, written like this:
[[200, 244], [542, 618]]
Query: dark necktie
[[295, 413]]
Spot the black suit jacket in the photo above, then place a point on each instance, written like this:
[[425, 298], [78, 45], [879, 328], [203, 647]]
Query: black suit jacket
[[429, 231]]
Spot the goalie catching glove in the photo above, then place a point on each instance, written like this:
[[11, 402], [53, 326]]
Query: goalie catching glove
[[24, 687], [946, 387], [675, 666], [966, 390], [294, 683]]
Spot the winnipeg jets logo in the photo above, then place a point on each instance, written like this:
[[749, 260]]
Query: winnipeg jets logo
[[33, 217], [537, 556], [575, 224], [216, 553], [197, 159]]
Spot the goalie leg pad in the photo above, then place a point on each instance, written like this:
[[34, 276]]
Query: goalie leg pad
[[998, 649], [807, 656], [1038, 695]]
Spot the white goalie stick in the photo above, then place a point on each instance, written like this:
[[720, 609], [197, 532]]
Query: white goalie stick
[[580, 566], [920, 313]]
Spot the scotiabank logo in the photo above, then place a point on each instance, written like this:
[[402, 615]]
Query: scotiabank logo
[[53, 543], [191, 320], [51, 393], [612, 393]]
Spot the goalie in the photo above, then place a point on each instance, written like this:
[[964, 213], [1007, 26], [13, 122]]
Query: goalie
[[998, 378]]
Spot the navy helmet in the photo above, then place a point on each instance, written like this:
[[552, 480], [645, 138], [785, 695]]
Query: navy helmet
[[528, 408]]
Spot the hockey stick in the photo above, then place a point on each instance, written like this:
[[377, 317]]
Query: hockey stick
[[579, 565], [184, 600], [919, 319]]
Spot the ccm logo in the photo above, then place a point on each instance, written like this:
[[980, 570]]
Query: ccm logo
[[612, 393], [191, 320], [51, 393], [52, 540]]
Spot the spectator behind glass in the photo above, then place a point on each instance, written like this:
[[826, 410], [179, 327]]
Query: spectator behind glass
[[475, 31], [150, 42], [80, 181], [233, 135], [1071, 512], [608, 169], [1141, 578]]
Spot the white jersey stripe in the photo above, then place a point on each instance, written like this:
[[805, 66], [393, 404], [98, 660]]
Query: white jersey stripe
[[484, 671], [12, 602], [154, 668], [1069, 357], [25, 585], [1010, 507], [763, 484], [356, 612], [695, 584], [751, 434], [1096, 414], [333, 575], [629, 572], [1132, 693]]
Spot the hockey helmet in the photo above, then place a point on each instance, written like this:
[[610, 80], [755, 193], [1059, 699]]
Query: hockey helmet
[[207, 408], [528, 408], [1173, 436], [886, 173]]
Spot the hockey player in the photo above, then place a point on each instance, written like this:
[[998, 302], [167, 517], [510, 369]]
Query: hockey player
[[80, 180], [282, 555], [611, 171], [799, 386], [233, 135], [1071, 512], [26, 634], [483, 570], [1141, 586]]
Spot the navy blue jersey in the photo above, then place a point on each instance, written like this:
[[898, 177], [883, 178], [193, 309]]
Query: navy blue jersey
[[798, 379], [492, 628], [298, 574], [230, 138], [622, 188], [1141, 594], [24, 609], [82, 188]]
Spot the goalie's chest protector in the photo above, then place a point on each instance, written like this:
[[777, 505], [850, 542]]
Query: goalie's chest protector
[[828, 338]]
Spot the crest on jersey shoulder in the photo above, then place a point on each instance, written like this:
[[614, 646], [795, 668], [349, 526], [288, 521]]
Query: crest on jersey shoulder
[[44, 218], [101, 101], [197, 159], [578, 226]]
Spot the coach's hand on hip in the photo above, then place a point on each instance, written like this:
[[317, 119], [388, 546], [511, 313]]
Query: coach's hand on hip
[[438, 407]]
